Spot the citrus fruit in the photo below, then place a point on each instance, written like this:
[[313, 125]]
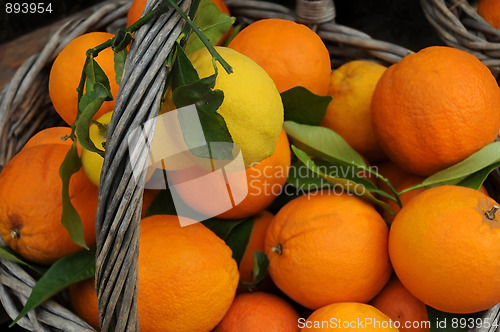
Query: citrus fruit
[[259, 312], [349, 316], [252, 107], [92, 161], [435, 108], [83, 300], [31, 209], [348, 114], [195, 289], [490, 11], [401, 306], [261, 223], [264, 182], [328, 247], [445, 249], [192, 292], [66, 73], [291, 53], [52, 135]]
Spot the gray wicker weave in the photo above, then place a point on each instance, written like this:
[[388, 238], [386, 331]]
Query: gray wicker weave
[[459, 25], [120, 195]]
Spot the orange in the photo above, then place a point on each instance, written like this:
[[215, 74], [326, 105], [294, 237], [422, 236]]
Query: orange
[[401, 306], [52, 135], [264, 182], [435, 108], [66, 72], [328, 247], [348, 114], [259, 312], [444, 246], [349, 316], [255, 243], [192, 292], [490, 11], [31, 209], [83, 299], [291, 53]]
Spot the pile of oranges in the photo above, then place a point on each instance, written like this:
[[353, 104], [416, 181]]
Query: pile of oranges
[[333, 257]]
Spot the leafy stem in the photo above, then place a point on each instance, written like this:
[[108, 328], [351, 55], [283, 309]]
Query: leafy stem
[[202, 37], [396, 195]]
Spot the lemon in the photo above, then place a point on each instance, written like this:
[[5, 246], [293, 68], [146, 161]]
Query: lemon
[[92, 161], [252, 106]]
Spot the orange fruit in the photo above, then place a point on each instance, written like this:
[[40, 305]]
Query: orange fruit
[[490, 11], [255, 243], [350, 316], [259, 312], [291, 53], [328, 247], [52, 135], [192, 292], [66, 72], [83, 299], [444, 246], [31, 209], [401, 306], [264, 182], [348, 114], [195, 289], [435, 108]]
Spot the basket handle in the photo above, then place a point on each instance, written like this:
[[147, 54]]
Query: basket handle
[[120, 192]]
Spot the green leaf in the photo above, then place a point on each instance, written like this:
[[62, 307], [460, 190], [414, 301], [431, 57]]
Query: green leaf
[[234, 32], [89, 104], [97, 76], [214, 127], [475, 180], [346, 185], [259, 271], [183, 72], [64, 272], [122, 40], [323, 143], [304, 107], [302, 178], [447, 322], [212, 23], [481, 160], [162, 204], [70, 218], [10, 255], [120, 58], [236, 233]]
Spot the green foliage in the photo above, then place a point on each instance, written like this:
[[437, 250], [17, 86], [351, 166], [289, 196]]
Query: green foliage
[[70, 218], [10, 255], [66, 271], [213, 24], [304, 107]]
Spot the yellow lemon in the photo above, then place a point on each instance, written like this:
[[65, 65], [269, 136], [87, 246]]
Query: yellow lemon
[[252, 106]]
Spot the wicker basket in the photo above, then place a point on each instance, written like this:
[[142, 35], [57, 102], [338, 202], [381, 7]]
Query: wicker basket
[[459, 25], [120, 196]]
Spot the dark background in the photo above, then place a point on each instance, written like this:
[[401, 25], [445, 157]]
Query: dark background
[[398, 21]]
